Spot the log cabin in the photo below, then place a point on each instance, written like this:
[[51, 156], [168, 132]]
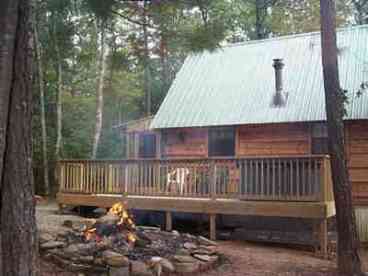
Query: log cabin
[[248, 122]]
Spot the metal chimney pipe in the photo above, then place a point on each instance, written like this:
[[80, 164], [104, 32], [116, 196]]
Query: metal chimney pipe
[[278, 65]]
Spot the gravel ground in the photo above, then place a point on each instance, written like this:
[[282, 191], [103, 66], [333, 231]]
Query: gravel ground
[[242, 258], [48, 219]]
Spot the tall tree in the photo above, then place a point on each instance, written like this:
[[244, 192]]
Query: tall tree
[[348, 257], [146, 60], [59, 95], [101, 72], [361, 11], [18, 227], [41, 84]]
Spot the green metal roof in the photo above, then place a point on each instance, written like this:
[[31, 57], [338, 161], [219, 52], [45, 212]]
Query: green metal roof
[[236, 84]]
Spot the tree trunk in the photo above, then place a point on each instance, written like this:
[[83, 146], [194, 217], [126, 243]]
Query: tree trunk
[[42, 104], [18, 227], [99, 92], [164, 65], [261, 13], [348, 257], [59, 103], [146, 63]]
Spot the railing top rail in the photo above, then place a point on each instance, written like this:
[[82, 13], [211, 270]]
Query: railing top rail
[[177, 160]]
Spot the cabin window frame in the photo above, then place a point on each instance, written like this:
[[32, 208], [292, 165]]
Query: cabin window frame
[[152, 149], [218, 133], [319, 138]]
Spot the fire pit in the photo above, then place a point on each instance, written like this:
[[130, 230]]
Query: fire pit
[[113, 245]]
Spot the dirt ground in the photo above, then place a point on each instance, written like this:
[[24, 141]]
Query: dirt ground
[[254, 259], [241, 258]]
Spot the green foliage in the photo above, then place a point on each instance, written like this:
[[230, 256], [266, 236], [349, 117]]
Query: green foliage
[[174, 30], [78, 123]]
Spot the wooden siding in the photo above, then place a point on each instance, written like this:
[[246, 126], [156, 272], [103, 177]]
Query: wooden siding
[[188, 142], [357, 154], [280, 139]]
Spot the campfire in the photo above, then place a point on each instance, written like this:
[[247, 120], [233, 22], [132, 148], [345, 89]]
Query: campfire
[[117, 222], [113, 242]]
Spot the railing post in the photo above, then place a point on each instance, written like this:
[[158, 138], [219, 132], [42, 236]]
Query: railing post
[[212, 179], [110, 179], [126, 182], [81, 177]]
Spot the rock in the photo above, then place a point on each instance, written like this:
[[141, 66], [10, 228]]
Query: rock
[[189, 236], [86, 259], [204, 258], [84, 249], [98, 261], [79, 226], [189, 246], [184, 259], [155, 267], [139, 268], [183, 252], [108, 219], [149, 228], [187, 267], [119, 271], [143, 239], [45, 237], [100, 211], [89, 223], [115, 259], [142, 243], [167, 266], [51, 245], [68, 223], [175, 233], [71, 249], [206, 250], [204, 241]]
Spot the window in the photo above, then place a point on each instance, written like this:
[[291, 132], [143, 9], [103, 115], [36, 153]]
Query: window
[[319, 139], [221, 141], [147, 145]]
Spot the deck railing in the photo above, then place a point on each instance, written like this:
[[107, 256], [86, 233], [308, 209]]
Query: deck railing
[[291, 178]]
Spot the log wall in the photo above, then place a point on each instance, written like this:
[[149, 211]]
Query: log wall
[[280, 139], [356, 134]]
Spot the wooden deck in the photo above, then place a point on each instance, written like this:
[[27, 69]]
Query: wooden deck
[[293, 186]]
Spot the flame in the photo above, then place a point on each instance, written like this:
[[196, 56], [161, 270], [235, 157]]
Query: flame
[[119, 209], [131, 238], [125, 215], [125, 224]]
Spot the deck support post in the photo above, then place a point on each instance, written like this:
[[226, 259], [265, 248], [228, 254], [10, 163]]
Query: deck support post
[[323, 239], [213, 227], [168, 221], [60, 208]]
